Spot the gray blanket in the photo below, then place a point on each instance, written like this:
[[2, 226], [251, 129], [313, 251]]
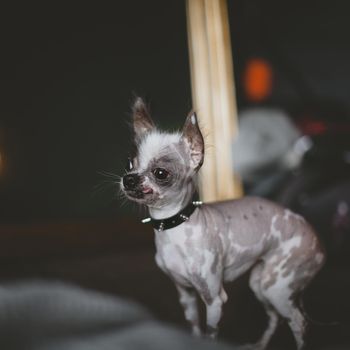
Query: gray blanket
[[56, 316]]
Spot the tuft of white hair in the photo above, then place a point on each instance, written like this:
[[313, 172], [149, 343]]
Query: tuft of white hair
[[153, 143]]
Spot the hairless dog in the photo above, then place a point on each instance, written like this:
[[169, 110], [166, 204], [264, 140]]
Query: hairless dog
[[203, 246]]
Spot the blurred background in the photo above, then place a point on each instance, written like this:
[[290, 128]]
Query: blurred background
[[68, 75]]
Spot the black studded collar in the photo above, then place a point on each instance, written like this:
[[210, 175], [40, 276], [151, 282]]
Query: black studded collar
[[175, 220]]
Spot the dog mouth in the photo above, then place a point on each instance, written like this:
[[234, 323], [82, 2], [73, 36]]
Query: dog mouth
[[147, 190], [139, 193]]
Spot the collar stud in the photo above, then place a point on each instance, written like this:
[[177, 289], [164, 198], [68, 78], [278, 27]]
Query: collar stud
[[175, 220]]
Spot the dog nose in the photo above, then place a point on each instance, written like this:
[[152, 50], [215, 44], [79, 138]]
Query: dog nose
[[130, 181]]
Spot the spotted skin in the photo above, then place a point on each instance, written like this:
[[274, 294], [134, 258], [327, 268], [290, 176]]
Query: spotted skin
[[223, 240]]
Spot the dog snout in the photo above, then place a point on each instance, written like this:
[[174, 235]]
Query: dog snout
[[130, 181]]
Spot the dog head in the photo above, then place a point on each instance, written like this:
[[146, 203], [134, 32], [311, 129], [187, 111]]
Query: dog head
[[163, 164]]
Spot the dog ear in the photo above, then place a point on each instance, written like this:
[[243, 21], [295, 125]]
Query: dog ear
[[142, 121], [193, 139]]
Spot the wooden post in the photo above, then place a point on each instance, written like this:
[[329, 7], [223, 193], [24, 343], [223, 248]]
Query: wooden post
[[213, 94]]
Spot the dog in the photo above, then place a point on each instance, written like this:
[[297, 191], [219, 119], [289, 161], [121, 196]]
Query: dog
[[203, 246]]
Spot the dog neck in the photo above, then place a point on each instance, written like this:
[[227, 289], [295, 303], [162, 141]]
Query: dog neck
[[180, 201]]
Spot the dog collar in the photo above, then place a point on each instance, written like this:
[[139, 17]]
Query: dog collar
[[175, 220]]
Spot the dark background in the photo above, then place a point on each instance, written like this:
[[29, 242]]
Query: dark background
[[68, 76], [69, 72]]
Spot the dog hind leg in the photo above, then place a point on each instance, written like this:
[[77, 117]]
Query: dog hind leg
[[286, 307], [281, 297], [273, 317]]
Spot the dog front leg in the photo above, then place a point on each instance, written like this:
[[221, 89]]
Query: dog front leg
[[188, 300], [214, 313]]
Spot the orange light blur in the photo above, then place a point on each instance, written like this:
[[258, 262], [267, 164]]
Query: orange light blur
[[257, 80]]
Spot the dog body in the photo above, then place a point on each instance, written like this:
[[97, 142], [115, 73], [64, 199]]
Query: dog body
[[219, 241]]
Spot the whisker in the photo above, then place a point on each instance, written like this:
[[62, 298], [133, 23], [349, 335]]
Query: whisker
[[104, 186], [109, 174]]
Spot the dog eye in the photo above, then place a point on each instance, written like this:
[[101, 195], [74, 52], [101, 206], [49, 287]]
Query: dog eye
[[160, 173], [129, 165]]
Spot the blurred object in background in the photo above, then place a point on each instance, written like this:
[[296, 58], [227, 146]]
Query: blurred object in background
[[58, 316], [262, 150], [213, 94], [1, 163], [257, 79], [303, 73], [304, 165], [319, 188], [2, 159]]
